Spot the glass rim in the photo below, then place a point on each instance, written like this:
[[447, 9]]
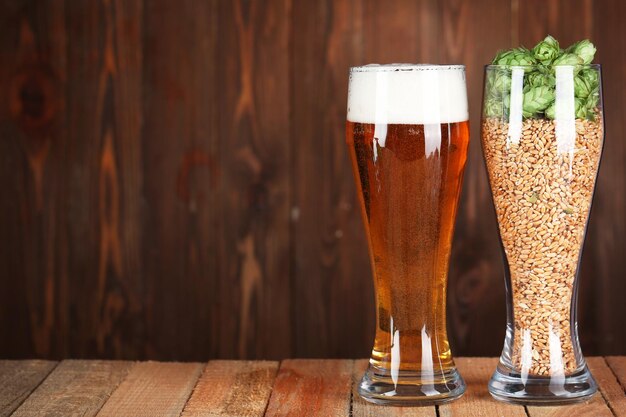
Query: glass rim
[[495, 66], [405, 67]]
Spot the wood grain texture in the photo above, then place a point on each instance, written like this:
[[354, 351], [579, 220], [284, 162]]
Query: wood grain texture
[[596, 406], [232, 389], [33, 300], [477, 401], [618, 366], [333, 314], [176, 186], [605, 244], [75, 388], [610, 389], [476, 267], [180, 146], [103, 208], [312, 388], [362, 408], [537, 19], [18, 379], [592, 408], [153, 389], [256, 182]]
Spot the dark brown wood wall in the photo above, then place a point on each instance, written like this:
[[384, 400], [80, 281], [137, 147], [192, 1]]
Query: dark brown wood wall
[[175, 185]]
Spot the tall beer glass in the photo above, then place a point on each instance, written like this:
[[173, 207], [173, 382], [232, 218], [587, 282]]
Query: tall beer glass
[[408, 132]]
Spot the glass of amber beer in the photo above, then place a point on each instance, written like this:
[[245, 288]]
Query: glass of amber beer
[[407, 133]]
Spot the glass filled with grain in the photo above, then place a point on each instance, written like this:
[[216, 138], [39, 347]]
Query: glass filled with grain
[[542, 136]]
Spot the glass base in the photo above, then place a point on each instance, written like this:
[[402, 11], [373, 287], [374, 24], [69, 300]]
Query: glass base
[[411, 388], [509, 386]]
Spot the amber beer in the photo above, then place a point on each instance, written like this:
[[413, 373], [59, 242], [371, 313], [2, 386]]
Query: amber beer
[[407, 132]]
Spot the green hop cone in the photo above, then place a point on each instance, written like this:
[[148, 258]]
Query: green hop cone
[[546, 50], [536, 100], [593, 99], [500, 84], [568, 59], [537, 79], [584, 49], [591, 76], [515, 57], [582, 89], [493, 108]]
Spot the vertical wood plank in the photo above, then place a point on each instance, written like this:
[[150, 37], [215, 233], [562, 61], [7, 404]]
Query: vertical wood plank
[[256, 185], [153, 389], [610, 389], [567, 20], [472, 32], [103, 207], [362, 408], [182, 208], [477, 401], [401, 31], [75, 387], [333, 308], [232, 389], [312, 388], [603, 258], [33, 310], [18, 379]]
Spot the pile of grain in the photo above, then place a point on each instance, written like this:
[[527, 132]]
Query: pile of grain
[[542, 200]]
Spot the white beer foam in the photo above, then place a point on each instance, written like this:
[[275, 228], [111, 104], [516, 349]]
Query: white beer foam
[[407, 94]]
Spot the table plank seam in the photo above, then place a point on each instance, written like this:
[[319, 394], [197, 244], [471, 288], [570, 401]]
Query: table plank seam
[[615, 374], [115, 388], [352, 384], [195, 385], [36, 387], [601, 388], [204, 369], [606, 400], [269, 397]]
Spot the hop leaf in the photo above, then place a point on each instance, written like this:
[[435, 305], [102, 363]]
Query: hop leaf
[[584, 49], [546, 50], [537, 79], [592, 77], [500, 83], [493, 108], [536, 100]]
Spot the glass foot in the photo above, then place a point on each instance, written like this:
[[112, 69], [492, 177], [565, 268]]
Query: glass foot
[[509, 386], [379, 386]]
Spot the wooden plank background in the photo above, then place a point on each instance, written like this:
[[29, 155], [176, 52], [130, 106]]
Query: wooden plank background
[[175, 184]]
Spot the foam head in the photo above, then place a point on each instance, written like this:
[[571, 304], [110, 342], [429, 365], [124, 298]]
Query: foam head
[[407, 94]]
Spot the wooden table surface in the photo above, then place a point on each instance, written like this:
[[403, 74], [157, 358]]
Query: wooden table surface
[[298, 387]]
